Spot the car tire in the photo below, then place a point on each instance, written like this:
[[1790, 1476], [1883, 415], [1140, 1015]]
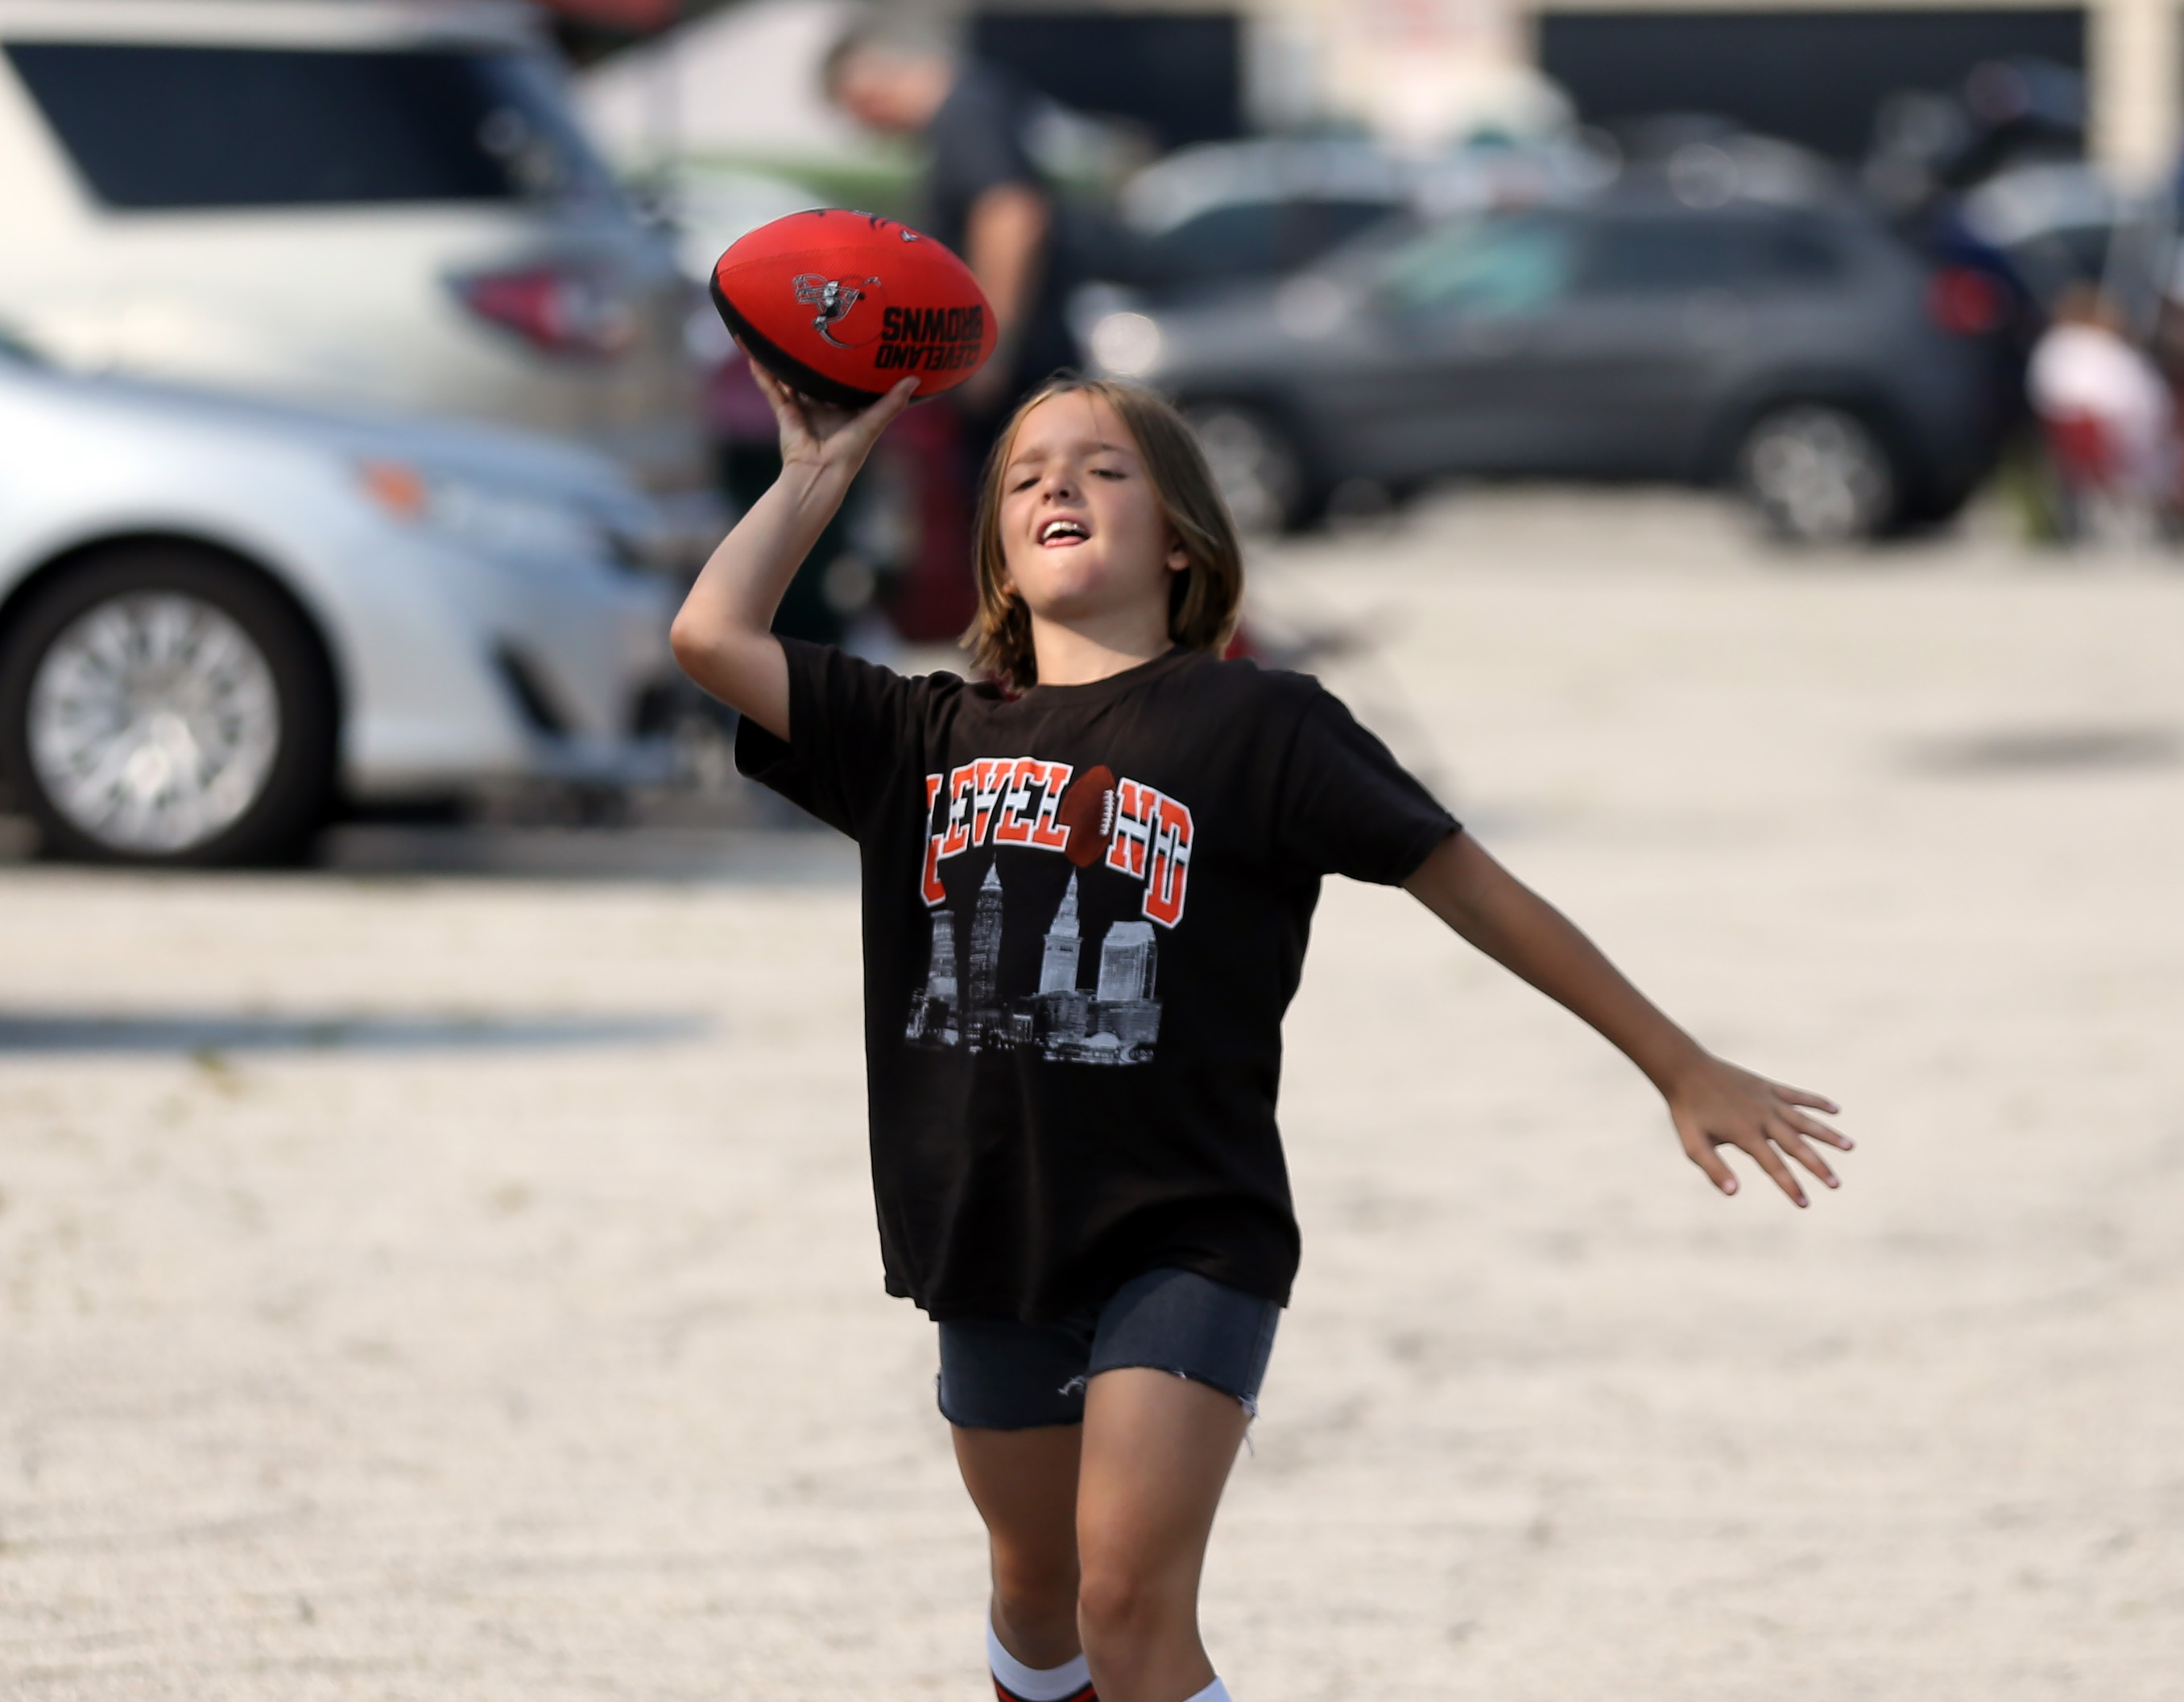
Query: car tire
[[160, 705], [1257, 467], [1818, 474]]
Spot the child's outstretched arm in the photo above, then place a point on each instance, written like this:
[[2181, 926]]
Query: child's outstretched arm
[[723, 637], [1713, 1102]]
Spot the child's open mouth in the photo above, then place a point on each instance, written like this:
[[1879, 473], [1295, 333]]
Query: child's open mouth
[[1062, 534]]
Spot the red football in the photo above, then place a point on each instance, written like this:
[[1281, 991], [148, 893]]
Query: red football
[[1088, 811], [841, 306]]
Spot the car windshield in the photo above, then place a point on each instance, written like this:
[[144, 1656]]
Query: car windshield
[[1506, 264], [167, 126]]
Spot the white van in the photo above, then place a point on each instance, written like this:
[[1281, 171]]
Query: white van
[[375, 202]]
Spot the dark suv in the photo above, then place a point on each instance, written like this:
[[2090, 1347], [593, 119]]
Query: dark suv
[[1803, 352]]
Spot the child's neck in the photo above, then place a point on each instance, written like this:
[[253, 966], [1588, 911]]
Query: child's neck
[[1078, 654]]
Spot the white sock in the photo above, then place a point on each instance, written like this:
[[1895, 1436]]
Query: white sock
[[1215, 1692], [1046, 1684]]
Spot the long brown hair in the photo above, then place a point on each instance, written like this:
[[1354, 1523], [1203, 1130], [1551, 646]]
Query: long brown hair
[[1204, 600]]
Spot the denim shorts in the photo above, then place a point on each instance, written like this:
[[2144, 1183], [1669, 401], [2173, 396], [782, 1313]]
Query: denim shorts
[[997, 1374]]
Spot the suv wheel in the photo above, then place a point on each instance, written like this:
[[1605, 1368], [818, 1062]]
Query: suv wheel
[[161, 706], [1259, 474], [1818, 474]]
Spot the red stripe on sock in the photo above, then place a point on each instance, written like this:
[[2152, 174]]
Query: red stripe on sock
[[1003, 1693]]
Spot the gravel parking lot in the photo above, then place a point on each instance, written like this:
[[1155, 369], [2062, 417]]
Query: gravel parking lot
[[462, 1285]]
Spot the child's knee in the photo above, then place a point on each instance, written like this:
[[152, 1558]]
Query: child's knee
[[1121, 1607], [1031, 1580]]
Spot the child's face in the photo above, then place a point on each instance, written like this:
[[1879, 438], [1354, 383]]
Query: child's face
[[1082, 532]]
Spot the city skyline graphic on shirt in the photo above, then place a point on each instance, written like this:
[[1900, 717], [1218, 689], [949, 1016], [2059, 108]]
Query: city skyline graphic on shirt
[[1116, 1020]]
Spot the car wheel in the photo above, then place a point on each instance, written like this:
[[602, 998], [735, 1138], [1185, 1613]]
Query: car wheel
[[1258, 469], [1817, 474], [162, 706]]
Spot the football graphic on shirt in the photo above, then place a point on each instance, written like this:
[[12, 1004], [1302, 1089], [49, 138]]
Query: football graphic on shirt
[[842, 305], [1088, 811]]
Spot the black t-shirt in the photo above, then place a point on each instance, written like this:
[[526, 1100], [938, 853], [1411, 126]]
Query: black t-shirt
[[1085, 911], [976, 141]]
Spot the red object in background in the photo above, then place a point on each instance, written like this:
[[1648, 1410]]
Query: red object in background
[[622, 14], [2079, 447], [1966, 303], [559, 311], [936, 595], [843, 306]]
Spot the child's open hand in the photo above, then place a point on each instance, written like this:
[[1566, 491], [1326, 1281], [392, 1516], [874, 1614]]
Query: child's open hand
[[1716, 1104], [822, 438]]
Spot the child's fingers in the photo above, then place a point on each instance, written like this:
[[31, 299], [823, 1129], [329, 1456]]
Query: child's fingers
[[850, 437], [1770, 1160], [1816, 1129], [787, 410], [1708, 1157], [798, 415], [1805, 1096], [878, 416], [1790, 1142]]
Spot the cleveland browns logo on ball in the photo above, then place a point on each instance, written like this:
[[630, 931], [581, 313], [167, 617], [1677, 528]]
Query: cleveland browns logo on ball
[[834, 298]]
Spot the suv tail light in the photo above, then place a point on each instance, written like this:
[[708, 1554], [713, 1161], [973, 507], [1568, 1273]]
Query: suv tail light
[[1966, 303], [560, 311]]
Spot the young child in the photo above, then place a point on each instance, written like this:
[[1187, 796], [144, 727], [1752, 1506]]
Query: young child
[[1087, 889]]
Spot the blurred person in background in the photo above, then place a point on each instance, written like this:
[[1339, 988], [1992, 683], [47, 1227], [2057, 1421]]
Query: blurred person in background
[[981, 194], [2109, 416]]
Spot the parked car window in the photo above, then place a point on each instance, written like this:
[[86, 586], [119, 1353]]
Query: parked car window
[[155, 126], [1258, 238], [1787, 253], [1502, 265], [1651, 257], [1627, 257]]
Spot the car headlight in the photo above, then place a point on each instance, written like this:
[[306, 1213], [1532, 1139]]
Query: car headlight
[[1128, 344], [495, 520]]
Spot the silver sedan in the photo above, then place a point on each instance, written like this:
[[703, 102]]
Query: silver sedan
[[219, 618]]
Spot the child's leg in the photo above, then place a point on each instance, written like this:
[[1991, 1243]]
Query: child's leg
[[1156, 1453], [1023, 1483]]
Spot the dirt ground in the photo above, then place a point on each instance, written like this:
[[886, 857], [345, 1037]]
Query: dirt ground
[[416, 1286]]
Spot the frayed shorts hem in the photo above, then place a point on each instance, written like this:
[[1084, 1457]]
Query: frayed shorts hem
[[997, 1374]]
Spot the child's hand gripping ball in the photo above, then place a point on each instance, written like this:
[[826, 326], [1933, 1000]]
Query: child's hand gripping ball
[[843, 306]]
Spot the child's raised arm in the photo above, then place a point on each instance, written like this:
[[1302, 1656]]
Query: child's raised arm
[[1713, 1102], [722, 638]]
